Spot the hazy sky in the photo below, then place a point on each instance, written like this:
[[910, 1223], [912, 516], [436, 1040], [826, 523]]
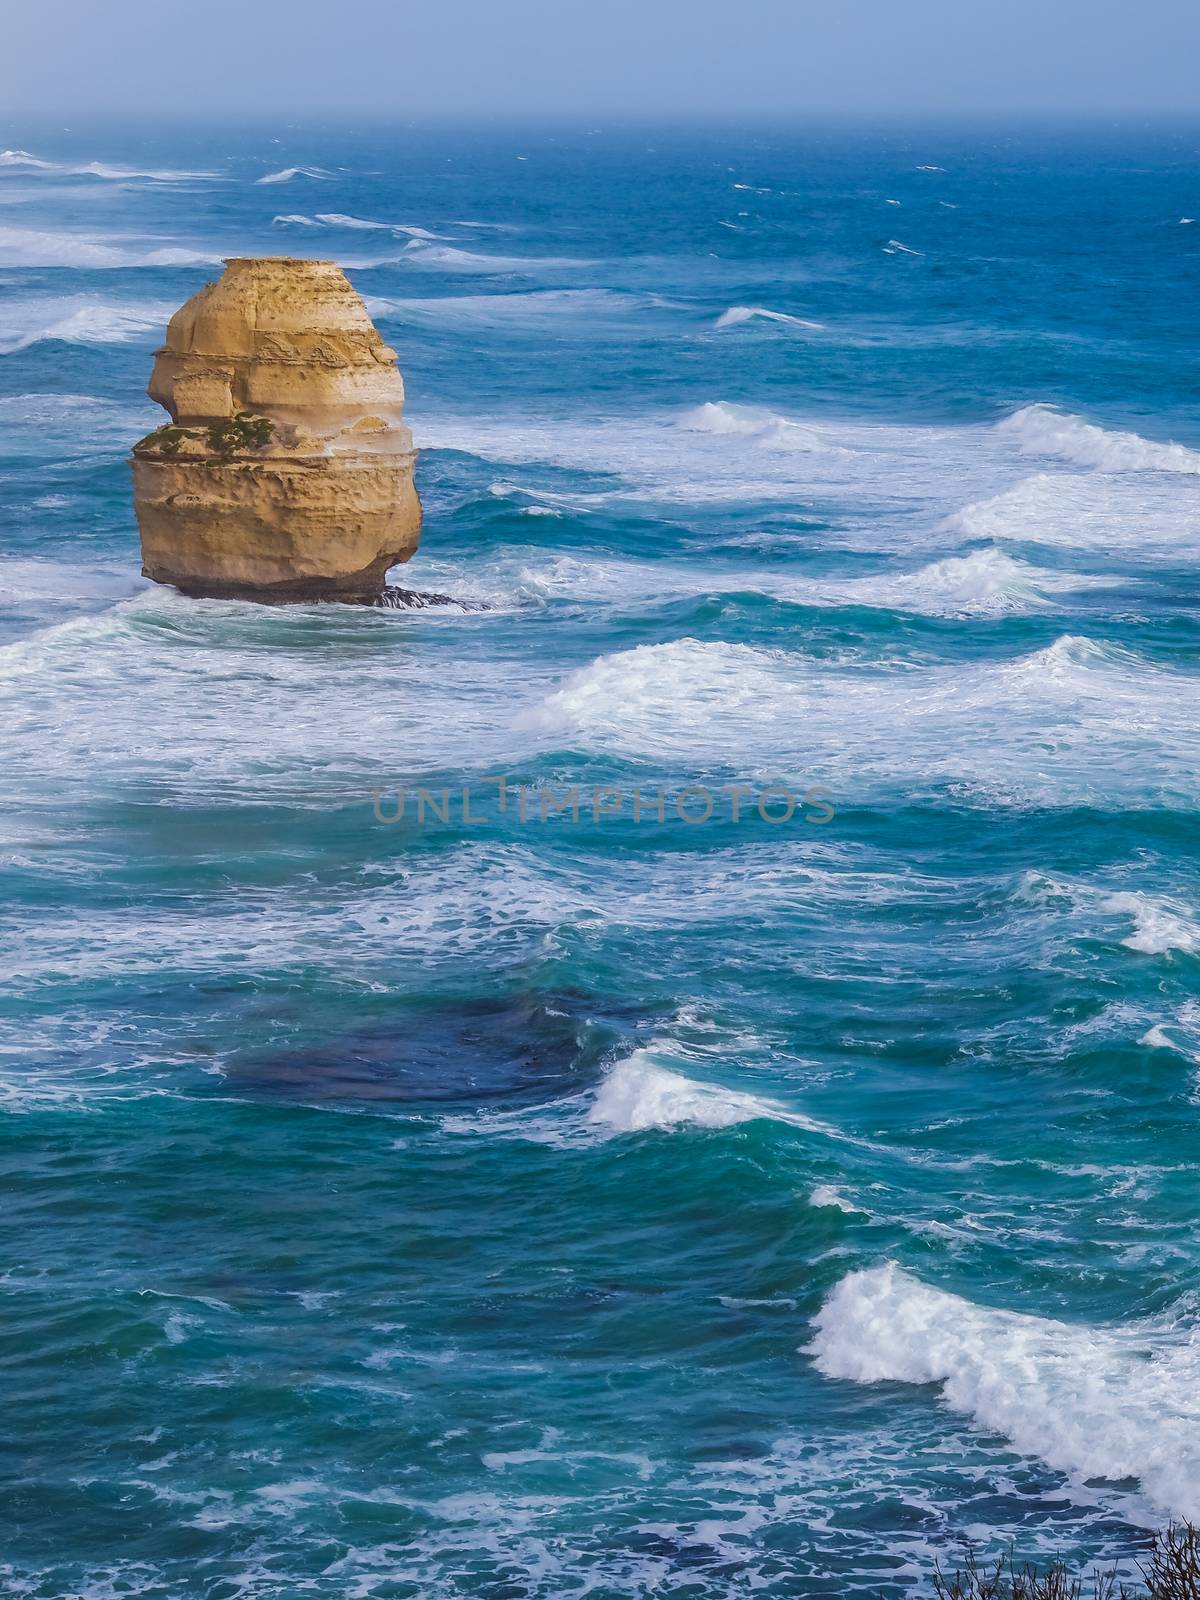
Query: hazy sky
[[643, 57]]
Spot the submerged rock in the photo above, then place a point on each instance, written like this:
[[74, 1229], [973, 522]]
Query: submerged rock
[[286, 472], [396, 599]]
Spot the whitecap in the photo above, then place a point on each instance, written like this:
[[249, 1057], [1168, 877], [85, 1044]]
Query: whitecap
[[1157, 1038], [335, 219], [28, 247], [76, 320], [288, 173], [753, 422], [1083, 721], [22, 159], [893, 247], [1091, 1401], [421, 253], [639, 1094], [1159, 925], [984, 583], [1145, 518], [1041, 430], [736, 316]]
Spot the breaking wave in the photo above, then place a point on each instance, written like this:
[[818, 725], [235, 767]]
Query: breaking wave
[[737, 315], [751, 422], [79, 321], [28, 247], [1040, 430], [1147, 517], [288, 173], [1083, 720], [637, 1094], [984, 583], [21, 160], [335, 219], [1158, 926], [1090, 1401], [419, 252]]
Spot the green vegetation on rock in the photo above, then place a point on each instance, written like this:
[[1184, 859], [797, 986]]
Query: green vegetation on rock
[[245, 431]]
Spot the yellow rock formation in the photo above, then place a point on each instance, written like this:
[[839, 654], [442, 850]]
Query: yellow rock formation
[[286, 472]]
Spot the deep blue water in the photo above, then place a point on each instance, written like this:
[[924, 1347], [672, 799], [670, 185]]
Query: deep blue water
[[523, 1207]]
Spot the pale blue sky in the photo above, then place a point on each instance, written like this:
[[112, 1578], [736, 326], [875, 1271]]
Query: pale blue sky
[[638, 57]]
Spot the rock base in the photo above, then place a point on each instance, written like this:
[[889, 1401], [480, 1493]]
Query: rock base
[[413, 600]]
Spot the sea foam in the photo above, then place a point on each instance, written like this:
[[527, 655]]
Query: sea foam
[[1090, 1401]]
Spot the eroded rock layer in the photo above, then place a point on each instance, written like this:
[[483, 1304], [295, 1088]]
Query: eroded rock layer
[[286, 472]]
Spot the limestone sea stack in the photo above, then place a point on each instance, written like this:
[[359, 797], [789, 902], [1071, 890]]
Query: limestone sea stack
[[286, 472]]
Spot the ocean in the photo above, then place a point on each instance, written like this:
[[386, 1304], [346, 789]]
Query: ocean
[[680, 1073]]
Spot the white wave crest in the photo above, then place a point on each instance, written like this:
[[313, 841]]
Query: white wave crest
[[637, 1094], [336, 219], [28, 247], [1092, 1402], [78, 321], [1157, 1038], [1159, 926], [1082, 720], [288, 173], [894, 248], [751, 422], [420, 252], [737, 315], [23, 161], [1040, 430], [1146, 518], [984, 583]]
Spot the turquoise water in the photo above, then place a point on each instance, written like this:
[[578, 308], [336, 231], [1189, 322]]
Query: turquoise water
[[603, 1207]]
